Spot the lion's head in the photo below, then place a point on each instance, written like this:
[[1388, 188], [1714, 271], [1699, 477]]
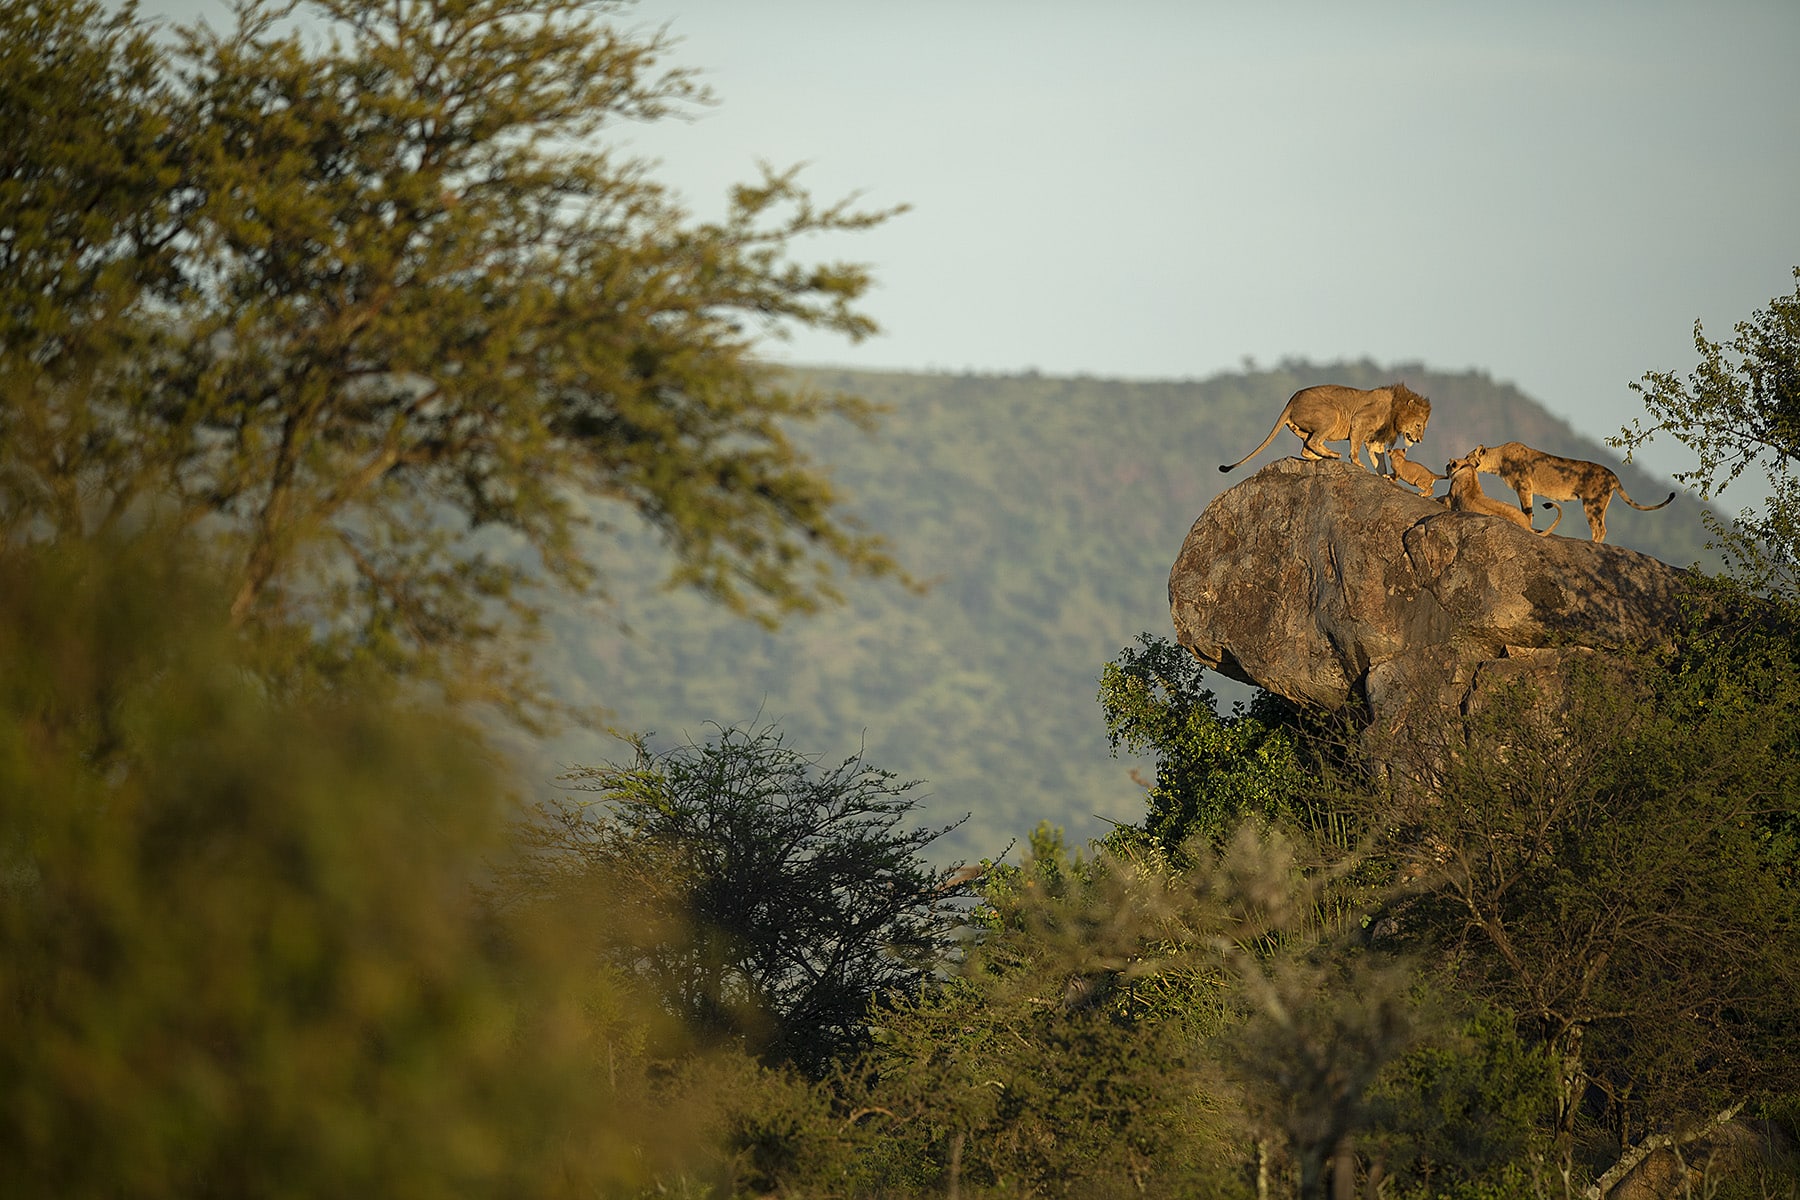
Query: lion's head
[[1482, 458], [1409, 413], [1468, 462]]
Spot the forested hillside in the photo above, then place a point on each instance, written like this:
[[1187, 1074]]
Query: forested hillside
[[1044, 514]]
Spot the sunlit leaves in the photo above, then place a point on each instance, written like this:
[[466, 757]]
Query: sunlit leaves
[[378, 283], [1738, 410]]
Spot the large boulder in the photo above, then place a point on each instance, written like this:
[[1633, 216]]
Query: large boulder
[[1321, 581]]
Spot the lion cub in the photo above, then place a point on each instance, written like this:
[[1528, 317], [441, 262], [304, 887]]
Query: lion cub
[[1417, 474], [1534, 473], [1466, 496]]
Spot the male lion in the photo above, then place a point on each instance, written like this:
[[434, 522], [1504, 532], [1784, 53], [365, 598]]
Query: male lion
[[1534, 473], [1417, 474], [1466, 496], [1376, 419]]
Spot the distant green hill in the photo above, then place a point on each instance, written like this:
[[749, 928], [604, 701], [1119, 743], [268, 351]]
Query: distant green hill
[[1047, 512]]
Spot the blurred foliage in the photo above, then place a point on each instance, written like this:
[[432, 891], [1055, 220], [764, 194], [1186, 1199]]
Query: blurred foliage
[[240, 952], [1045, 512]]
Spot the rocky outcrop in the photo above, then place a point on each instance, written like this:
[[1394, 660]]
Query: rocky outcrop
[[1321, 581]]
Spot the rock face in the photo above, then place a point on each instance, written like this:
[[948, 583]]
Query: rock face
[[1321, 581]]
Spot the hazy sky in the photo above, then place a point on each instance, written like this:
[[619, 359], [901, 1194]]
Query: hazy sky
[[1546, 191]]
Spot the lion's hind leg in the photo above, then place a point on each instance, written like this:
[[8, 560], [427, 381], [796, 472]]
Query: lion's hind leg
[[1595, 512], [1312, 443]]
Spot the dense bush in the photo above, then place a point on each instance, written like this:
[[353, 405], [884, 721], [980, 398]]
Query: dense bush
[[240, 952]]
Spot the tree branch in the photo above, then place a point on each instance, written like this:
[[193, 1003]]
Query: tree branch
[[1650, 1145]]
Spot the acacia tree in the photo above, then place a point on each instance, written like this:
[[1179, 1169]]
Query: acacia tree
[[774, 898], [376, 287]]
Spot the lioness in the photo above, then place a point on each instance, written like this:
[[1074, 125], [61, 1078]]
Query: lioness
[[1466, 496], [1534, 473], [1417, 474], [1374, 420]]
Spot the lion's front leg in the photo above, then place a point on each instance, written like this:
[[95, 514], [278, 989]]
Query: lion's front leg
[[1525, 496]]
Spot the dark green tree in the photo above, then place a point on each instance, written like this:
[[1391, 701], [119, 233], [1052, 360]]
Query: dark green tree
[[372, 303], [781, 896], [1738, 410], [1464, 1112]]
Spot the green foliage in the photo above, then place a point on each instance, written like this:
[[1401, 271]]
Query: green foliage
[[239, 950], [1062, 1059], [1463, 1113], [1033, 1097], [758, 1131], [1738, 411], [367, 302], [1124, 1026], [1212, 771], [773, 898], [1321, 1027]]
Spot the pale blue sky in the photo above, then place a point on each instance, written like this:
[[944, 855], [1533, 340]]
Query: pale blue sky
[[1550, 192]]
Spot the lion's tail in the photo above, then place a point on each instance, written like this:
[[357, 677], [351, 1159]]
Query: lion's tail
[[1279, 422], [1555, 523], [1620, 488]]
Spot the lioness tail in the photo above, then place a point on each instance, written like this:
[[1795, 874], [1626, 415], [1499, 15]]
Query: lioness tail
[[1643, 507]]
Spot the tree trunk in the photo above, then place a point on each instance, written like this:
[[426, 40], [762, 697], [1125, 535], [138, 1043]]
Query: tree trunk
[[1343, 1172], [1372, 1183]]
